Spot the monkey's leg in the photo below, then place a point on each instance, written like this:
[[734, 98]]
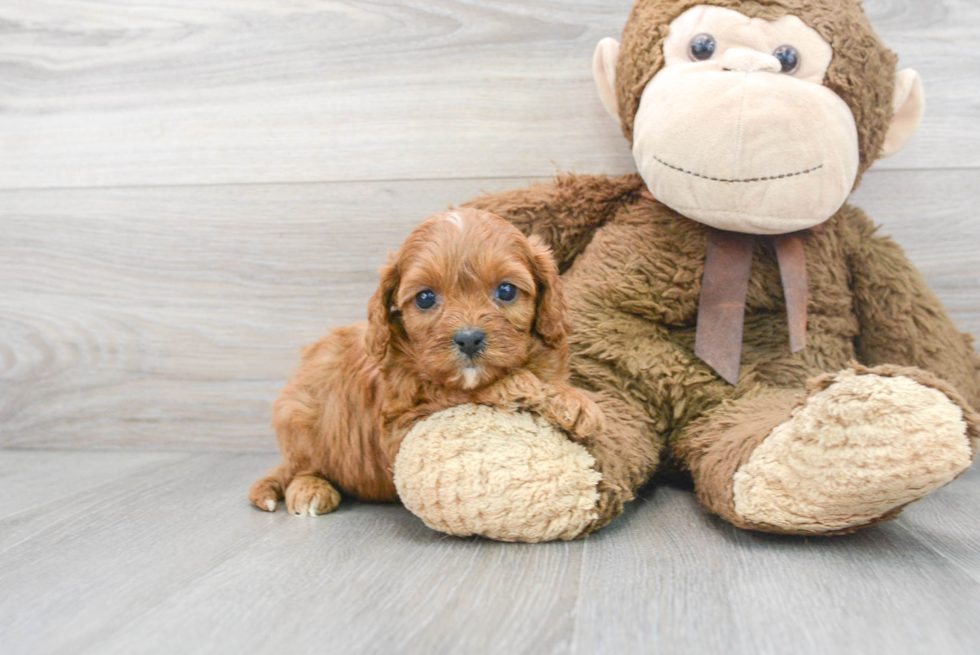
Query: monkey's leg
[[851, 451]]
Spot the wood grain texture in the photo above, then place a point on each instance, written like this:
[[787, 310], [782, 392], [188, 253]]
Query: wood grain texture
[[121, 93], [176, 313], [681, 581], [170, 317], [172, 559], [33, 478]]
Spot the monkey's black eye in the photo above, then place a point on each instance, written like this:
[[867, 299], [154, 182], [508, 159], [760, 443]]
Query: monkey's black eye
[[506, 292], [425, 299], [702, 47], [789, 58]]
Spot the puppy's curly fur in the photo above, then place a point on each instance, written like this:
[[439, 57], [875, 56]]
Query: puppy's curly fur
[[341, 418]]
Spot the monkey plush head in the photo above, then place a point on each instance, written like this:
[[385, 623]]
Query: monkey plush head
[[755, 116]]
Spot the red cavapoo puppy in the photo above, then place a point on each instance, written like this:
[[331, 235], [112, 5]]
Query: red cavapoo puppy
[[469, 310]]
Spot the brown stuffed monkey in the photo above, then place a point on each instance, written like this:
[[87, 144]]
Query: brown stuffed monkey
[[734, 318]]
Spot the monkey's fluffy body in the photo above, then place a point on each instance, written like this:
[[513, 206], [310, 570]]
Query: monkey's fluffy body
[[634, 294], [633, 269]]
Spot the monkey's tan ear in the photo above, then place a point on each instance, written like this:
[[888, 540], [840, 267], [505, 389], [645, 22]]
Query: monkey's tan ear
[[604, 70], [909, 104]]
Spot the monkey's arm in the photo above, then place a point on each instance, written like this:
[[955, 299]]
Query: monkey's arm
[[901, 320], [564, 213]]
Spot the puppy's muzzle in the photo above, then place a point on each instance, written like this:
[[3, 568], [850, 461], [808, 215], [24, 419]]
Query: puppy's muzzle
[[470, 341]]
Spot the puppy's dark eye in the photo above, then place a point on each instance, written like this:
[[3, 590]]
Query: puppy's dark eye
[[425, 299], [789, 58], [506, 292], [702, 47]]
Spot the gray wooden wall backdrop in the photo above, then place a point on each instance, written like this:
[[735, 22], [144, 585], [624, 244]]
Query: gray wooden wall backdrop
[[191, 189]]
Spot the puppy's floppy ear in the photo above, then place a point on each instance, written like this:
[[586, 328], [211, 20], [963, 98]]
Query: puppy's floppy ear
[[551, 317], [381, 311]]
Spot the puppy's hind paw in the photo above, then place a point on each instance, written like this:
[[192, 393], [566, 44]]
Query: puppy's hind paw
[[308, 495]]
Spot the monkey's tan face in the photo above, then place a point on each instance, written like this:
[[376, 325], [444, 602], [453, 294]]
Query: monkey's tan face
[[737, 130]]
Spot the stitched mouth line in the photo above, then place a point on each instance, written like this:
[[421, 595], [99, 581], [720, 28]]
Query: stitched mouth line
[[754, 179]]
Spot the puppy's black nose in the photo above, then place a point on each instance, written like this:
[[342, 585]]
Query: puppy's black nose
[[470, 341]]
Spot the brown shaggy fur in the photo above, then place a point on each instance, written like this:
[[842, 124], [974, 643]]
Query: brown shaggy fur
[[633, 271], [634, 280], [862, 71], [342, 416]]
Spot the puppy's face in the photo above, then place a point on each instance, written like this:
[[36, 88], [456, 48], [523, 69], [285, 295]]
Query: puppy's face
[[466, 299]]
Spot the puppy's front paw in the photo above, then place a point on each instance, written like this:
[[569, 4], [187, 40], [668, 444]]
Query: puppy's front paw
[[308, 495], [576, 413]]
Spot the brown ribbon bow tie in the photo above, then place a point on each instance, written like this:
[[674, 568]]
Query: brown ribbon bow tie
[[721, 308]]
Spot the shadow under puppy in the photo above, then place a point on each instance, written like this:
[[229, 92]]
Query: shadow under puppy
[[469, 310]]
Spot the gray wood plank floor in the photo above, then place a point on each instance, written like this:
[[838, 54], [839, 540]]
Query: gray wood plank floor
[[164, 555]]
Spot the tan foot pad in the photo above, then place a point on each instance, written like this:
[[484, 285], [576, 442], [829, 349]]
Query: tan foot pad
[[475, 470], [863, 446]]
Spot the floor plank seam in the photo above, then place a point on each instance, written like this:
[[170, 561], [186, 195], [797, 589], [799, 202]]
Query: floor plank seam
[[311, 182], [400, 180]]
